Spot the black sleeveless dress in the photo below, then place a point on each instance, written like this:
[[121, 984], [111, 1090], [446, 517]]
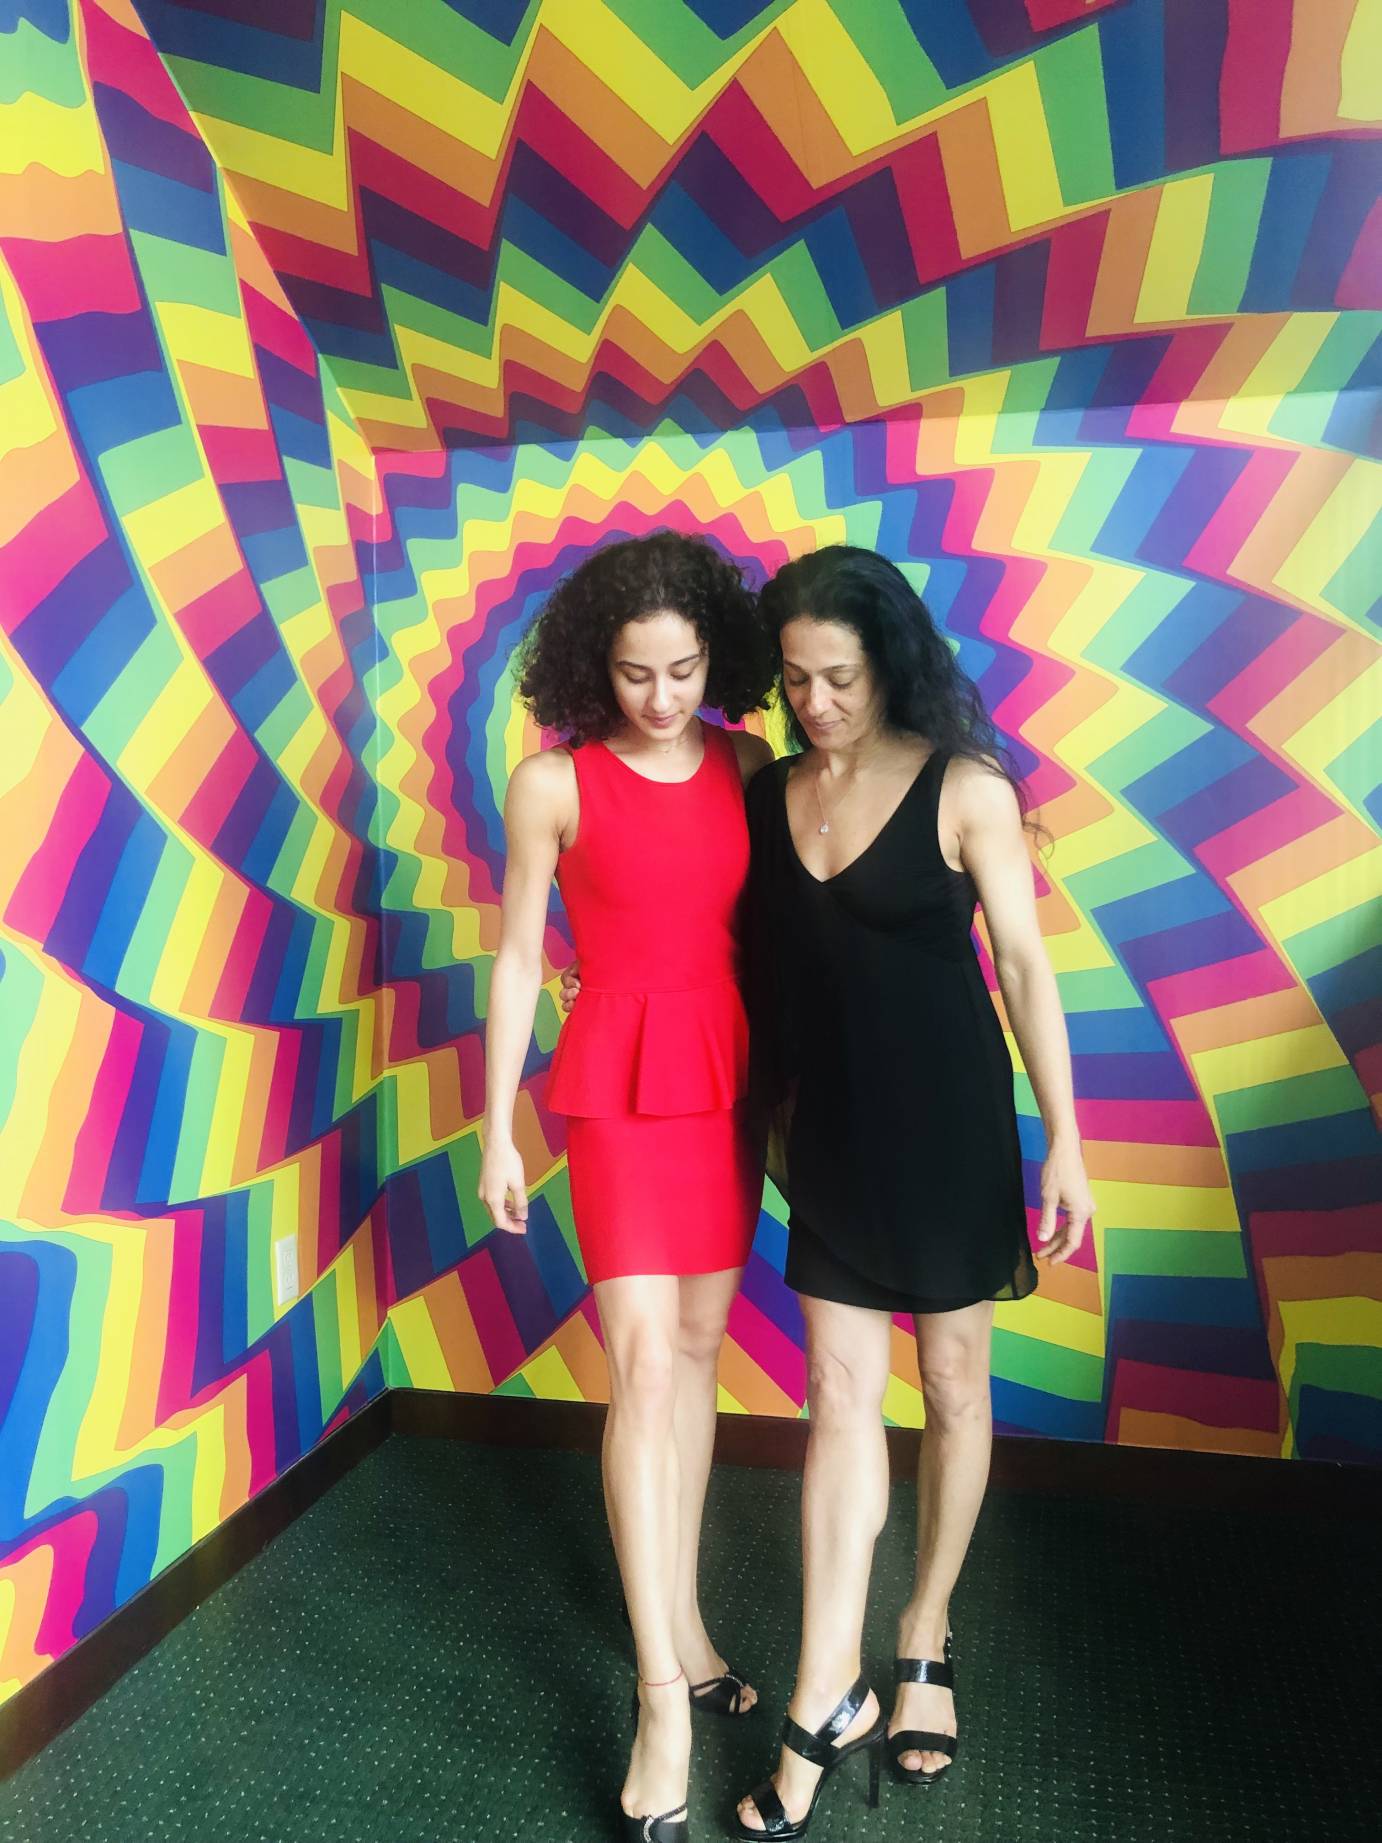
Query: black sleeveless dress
[[875, 1044]]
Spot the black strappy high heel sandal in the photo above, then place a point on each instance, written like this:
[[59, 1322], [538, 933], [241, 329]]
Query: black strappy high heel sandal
[[721, 1695], [820, 1749], [941, 1672], [672, 1826]]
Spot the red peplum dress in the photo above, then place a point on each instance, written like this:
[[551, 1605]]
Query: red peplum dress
[[651, 1068]]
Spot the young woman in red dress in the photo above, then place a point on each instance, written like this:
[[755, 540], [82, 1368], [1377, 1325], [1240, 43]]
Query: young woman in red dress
[[640, 818]]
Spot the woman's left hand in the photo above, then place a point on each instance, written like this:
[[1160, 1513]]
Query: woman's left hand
[[1064, 1193], [570, 988]]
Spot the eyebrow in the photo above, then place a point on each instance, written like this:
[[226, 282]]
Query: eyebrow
[[639, 666], [843, 665]]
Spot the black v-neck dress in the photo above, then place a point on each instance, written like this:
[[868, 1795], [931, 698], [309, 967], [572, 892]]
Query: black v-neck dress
[[874, 1040]]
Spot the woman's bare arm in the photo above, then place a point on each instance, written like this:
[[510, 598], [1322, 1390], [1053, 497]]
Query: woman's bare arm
[[539, 813], [990, 841]]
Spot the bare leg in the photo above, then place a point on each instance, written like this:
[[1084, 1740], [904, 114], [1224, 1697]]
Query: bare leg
[[953, 1354], [705, 1300], [640, 1320], [844, 1502]]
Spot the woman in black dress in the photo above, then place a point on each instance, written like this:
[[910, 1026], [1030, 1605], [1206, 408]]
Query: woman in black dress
[[877, 1044]]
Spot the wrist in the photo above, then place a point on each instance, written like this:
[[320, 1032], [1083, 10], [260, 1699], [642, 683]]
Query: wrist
[[494, 1137], [1063, 1141]]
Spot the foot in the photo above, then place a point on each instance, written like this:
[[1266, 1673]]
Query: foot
[[923, 1705], [655, 1784], [795, 1778], [703, 1664]]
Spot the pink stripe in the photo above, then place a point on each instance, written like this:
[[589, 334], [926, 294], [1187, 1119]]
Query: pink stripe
[[1213, 1401], [39, 893], [90, 274], [1242, 511], [96, 1136], [1146, 1122], [1252, 975], [72, 1543], [259, 1421], [781, 1360], [1273, 1233], [127, 61], [241, 455], [212, 617], [242, 956], [1272, 671], [184, 1314], [489, 1312], [51, 544], [1293, 816]]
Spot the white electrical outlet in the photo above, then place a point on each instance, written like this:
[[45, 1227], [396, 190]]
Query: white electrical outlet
[[286, 1270]]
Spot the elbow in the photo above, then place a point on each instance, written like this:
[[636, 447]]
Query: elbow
[[518, 966]]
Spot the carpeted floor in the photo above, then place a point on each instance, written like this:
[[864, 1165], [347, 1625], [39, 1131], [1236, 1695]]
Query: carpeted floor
[[434, 1654]]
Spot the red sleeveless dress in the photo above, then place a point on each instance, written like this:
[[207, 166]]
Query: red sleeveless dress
[[651, 1067]]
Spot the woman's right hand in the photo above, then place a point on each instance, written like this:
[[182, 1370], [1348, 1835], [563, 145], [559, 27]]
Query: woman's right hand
[[503, 1189]]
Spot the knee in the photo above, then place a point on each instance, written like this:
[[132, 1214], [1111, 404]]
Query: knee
[[642, 1376], [954, 1385], [699, 1337], [841, 1390]]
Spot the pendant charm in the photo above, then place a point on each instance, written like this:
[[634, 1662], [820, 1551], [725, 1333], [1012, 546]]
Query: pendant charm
[[825, 828]]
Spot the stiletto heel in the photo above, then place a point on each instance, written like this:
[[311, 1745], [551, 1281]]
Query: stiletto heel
[[824, 1750], [920, 1740], [672, 1826]]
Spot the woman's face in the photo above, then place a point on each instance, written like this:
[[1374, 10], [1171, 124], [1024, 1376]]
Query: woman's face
[[829, 682], [658, 668]]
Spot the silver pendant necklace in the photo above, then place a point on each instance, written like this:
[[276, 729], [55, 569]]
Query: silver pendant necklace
[[824, 826]]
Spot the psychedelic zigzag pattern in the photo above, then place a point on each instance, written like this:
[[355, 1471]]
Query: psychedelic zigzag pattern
[[1193, 738], [507, 222], [324, 351], [188, 912]]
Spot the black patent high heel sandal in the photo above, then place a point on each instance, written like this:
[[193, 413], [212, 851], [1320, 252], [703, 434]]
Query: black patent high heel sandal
[[821, 1750], [721, 1695], [941, 1672], [672, 1826]]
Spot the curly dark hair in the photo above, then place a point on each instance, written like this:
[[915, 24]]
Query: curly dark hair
[[927, 693], [563, 659]]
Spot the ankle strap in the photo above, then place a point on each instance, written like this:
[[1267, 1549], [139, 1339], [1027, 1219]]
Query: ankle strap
[[665, 1683], [819, 1747], [924, 1670]]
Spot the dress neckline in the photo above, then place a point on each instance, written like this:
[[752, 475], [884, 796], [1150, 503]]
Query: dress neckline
[[647, 779], [859, 856]]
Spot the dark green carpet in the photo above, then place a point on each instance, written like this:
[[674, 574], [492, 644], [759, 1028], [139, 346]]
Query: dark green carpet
[[433, 1654]]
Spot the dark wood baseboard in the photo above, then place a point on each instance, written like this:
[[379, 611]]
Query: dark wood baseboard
[[68, 1687], [1067, 1468]]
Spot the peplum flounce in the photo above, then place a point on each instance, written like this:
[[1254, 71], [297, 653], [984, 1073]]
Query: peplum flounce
[[652, 1052]]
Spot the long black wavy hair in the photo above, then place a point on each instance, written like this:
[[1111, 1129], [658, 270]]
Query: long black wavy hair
[[926, 693], [563, 659]]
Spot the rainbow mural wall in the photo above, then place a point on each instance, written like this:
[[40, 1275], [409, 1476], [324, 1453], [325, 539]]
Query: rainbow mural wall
[[327, 345]]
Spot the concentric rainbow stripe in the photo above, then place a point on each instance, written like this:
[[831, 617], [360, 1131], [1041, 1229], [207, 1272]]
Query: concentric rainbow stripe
[[328, 345]]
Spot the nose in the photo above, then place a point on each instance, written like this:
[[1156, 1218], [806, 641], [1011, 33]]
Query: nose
[[817, 700]]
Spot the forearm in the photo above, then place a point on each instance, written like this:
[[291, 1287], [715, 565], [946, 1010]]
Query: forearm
[[1034, 1010], [513, 990]]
